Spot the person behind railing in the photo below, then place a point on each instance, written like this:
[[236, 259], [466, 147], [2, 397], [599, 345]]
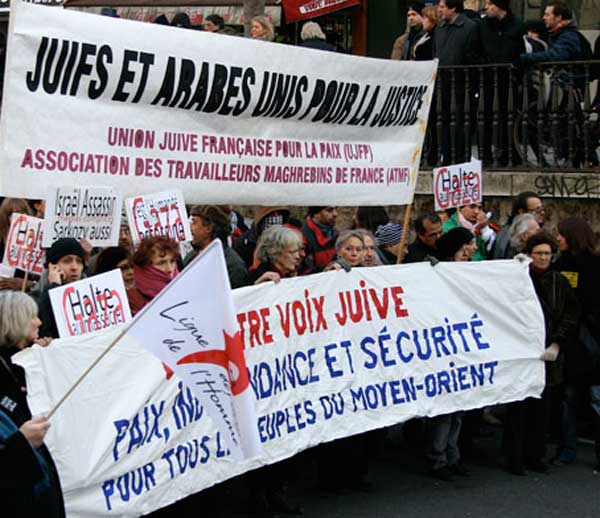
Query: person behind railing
[[500, 34], [455, 44], [535, 36], [422, 50], [404, 44]]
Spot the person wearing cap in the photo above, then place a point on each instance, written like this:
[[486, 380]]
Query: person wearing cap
[[320, 236], [65, 261], [388, 240], [403, 45], [209, 222]]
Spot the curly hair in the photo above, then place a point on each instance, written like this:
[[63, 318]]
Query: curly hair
[[160, 245]]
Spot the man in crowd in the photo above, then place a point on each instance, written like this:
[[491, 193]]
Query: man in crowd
[[65, 261], [526, 202], [209, 222], [501, 37], [455, 43], [214, 23], [403, 44], [474, 219], [320, 235], [429, 229], [389, 237], [566, 43]]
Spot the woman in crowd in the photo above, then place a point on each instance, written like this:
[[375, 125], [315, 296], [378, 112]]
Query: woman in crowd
[[526, 420], [29, 483], [580, 264], [262, 29], [422, 50], [350, 251], [116, 257], [154, 266], [279, 253]]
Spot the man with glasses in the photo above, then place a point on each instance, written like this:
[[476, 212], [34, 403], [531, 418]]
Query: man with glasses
[[429, 229]]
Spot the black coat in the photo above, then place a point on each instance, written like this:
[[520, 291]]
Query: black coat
[[317, 43], [501, 40], [457, 43], [422, 50], [16, 481], [561, 314]]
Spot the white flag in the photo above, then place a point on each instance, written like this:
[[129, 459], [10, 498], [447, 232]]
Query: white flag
[[192, 327]]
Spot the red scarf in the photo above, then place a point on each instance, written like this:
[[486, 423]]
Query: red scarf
[[150, 281]]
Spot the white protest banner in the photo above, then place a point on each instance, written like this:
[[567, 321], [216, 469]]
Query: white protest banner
[[457, 185], [6, 272], [329, 355], [90, 304], [91, 213], [158, 214], [196, 335], [218, 118], [23, 249]]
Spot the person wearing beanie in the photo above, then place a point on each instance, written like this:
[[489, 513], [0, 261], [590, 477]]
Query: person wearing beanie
[[403, 45], [209, 222], [65, 261], [388, 240], [320, 236]]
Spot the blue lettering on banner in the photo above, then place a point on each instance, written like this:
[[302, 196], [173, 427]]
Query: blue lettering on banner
[[132, 483], [286, 421]]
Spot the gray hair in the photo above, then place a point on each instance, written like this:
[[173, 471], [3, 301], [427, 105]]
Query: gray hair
[[519, 225], [367, 233], [275, 240], [16, 312], [312, 30], [347, 235]]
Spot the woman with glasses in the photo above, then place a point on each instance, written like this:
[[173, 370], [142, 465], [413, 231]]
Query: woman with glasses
[[279, 253], [525, 429]]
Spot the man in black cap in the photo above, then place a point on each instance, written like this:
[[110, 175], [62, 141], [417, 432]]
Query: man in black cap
[[414, 27], [65, 260], [501, 37], [320, 235]]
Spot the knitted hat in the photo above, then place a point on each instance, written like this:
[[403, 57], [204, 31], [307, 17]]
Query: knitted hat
[[502, 4], [388, 234], [416, 6], [315, 210], [64, 246], [452, 241]]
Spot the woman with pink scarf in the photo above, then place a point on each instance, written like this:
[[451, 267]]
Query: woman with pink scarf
[[154, 266]]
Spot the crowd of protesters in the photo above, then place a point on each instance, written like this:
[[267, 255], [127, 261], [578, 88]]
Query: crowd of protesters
[[564, 270]]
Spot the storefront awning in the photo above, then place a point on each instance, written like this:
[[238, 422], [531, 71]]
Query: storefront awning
[[296, 10]]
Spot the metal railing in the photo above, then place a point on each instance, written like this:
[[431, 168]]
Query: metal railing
[[539, 117]]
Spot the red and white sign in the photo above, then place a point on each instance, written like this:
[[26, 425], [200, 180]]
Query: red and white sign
[[158, 214], [457, 185], [24, 244], [90, 304], [303, 9]]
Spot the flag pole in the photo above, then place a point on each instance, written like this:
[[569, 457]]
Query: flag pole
[[24, 287], [404, 238], [88, 370]]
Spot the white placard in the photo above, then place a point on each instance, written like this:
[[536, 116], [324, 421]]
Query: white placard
[[222, 119], [328, 355], [23, 249], [158, 214], [90, 304], [457, 185], [90, 213]]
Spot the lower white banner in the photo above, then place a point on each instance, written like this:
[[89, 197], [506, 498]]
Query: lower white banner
[[329, 356]]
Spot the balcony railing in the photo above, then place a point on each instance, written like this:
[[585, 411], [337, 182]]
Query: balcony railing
[[544, 116]]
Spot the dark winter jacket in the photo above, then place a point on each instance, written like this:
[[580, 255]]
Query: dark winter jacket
[[561, 314], [236, 268], [422, 50], [418, 252], [565, 45], [318, 43], [501, 40], [46, 315], [29, 487], [457, 43]]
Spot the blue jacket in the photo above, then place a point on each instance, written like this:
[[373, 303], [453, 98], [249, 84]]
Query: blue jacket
[[565, 45]]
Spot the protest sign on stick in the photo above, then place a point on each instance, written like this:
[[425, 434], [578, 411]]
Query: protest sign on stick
[[90, 304], [457, 185], [90, 213], [158, 214], [23, 249]]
